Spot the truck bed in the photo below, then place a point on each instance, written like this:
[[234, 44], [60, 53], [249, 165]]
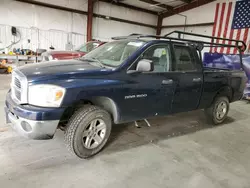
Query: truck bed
[[214, 69]]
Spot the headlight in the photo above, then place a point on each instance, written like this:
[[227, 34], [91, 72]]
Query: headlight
[[46, 95]]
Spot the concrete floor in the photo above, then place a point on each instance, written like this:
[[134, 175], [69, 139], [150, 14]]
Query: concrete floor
[[177, 151]]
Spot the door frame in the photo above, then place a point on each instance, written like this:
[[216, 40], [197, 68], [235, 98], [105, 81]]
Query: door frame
[[163, 74]]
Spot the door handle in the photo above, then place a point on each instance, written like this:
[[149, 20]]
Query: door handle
[[196, 79], [167, 82]]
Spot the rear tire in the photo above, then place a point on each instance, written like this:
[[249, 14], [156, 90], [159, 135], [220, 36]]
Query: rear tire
[[217, 112], [88, 131]]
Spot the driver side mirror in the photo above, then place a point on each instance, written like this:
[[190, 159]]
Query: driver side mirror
[[143, 65]]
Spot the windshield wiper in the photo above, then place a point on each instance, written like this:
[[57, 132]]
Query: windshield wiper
[[93, 60]]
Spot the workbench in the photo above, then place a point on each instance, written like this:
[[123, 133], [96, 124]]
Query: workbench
[[18, 60]]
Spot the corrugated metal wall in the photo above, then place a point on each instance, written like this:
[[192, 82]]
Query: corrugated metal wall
[[47, 26], [42, 39]]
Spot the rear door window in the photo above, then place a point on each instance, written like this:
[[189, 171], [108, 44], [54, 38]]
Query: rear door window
[[185, 60]]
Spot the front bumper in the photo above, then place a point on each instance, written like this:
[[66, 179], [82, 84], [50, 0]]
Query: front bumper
[[32, 122], [37, 130]]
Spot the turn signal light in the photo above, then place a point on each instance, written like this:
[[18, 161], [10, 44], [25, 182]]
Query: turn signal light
[[59, 95]]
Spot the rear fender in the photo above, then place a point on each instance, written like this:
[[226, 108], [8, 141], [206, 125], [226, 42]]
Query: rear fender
[[225, 91]]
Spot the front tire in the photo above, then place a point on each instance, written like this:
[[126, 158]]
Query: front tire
[[88, 131], [217, 112]]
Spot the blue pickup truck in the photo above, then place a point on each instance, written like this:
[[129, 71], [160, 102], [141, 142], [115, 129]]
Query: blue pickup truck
[[132, 78]]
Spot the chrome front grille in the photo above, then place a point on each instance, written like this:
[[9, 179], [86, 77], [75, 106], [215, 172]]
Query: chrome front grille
[[17, 83], [18, 94], [19, 87]]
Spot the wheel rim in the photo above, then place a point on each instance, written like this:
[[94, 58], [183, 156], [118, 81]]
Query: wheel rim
[[221, 110], [94, 134]]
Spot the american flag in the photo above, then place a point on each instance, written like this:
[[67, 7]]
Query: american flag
[[232, 20]]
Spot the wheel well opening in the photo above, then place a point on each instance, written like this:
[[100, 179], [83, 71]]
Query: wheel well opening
[[103, 102], [69, 111], [107, 104], [225, 92]]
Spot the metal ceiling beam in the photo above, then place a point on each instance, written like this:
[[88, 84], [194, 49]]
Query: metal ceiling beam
[[124, 21], [188, 25], [158, 4], [193, 4], [47, 5], [119, 3], [39, 3]]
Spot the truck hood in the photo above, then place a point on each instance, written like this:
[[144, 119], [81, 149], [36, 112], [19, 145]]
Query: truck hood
[[50, 69]]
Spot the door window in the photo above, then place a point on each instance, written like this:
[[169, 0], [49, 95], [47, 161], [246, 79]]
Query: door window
[[160, 56], [185, 60]]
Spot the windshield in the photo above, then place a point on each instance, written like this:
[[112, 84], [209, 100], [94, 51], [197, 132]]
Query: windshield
[[87, 47], [114, 53]]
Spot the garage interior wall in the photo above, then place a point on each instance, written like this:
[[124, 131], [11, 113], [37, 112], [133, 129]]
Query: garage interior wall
[[199, 15], [105, 29], [43, 26], [47, 26]]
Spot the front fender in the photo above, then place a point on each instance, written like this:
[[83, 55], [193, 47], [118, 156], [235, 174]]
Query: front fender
[[104, 95]]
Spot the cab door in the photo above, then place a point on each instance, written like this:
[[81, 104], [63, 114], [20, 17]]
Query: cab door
[[150, 93], [188, 77]]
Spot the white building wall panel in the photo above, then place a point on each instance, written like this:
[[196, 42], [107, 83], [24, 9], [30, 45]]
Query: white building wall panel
[[79, 24], [47, 18], [47, 26], [57, 39], [43, 26], [27, 15], [74, 4], [124, 13], [15, 13], [42, 39], [202, 14], [105, 29], [205, 30]]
